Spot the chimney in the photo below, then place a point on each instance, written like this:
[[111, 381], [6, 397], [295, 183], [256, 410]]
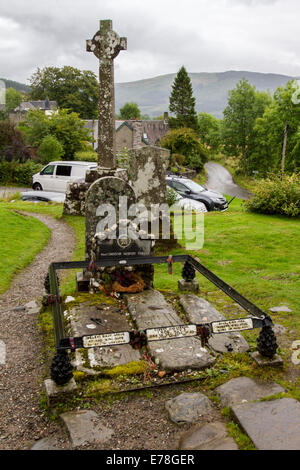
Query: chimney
[[166, 117]]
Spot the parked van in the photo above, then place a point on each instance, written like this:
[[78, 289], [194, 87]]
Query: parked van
[[56, 175]]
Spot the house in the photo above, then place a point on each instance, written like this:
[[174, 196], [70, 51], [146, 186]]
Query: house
[[46, 105], [133, 133]]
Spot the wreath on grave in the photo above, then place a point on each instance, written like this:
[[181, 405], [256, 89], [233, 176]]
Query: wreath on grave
[[123, 281]]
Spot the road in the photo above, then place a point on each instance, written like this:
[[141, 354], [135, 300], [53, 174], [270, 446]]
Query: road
[[219, 179]]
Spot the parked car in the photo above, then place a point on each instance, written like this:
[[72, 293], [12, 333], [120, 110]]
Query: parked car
[[187, 188], [43, 196], [56, 175]]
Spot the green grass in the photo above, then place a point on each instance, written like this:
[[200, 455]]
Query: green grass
[[256, 254], [21, 238]]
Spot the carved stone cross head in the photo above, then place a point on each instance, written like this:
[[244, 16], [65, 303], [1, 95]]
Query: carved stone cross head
[[106, 44]]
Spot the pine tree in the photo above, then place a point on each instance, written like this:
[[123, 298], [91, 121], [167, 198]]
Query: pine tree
[[182, 102]]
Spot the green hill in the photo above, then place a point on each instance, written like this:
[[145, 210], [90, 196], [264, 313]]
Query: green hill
[[210, 90], [16, 85]]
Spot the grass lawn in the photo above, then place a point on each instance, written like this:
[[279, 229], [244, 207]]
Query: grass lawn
[[21, 238], [257, 254]]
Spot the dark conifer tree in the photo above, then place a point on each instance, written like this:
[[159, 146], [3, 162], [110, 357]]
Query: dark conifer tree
[[182, 102]]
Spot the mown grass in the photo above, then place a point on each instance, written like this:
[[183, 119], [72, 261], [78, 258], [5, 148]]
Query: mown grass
[[21, 238], [256, 254]]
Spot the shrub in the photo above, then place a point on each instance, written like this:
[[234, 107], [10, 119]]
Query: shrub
[[12, 143], [172, 196], [178, 158], [18, 173], [67, 127], [185, 141], [277, 195], [86, 156], [50, 149]]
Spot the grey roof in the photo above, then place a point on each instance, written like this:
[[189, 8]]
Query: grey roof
[[40, 104]]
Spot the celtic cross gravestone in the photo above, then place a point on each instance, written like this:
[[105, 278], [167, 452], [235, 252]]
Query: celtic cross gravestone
[[106, 45]]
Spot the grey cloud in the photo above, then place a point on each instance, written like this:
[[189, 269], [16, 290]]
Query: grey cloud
[[200, 34]]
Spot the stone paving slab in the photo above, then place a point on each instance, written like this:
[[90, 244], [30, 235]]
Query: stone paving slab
[[149, 309], [212, 436], [47, 443], [188, 407], [271, 425], [85, 427], [244, 389], [198, 310], [89, 319]]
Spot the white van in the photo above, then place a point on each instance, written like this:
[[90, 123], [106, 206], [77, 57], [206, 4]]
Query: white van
[[56, 175]]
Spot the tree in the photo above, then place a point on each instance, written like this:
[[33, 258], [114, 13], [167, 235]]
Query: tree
[[209, 129], [67, 127], [269, 133], [130, 111], [13, 99], [245, 105], [185, 141], [12, 143], [182, 102], [71, 88], [50, 149]]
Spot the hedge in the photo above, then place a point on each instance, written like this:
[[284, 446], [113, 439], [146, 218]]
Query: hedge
[[18, 173]]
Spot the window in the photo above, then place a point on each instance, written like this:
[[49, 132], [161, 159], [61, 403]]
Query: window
[[63, 170], [49, 170], [178, 186]]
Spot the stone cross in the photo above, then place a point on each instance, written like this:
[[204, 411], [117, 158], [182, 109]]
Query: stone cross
[[106, 45]]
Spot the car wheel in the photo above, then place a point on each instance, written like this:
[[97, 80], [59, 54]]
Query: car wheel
[[37, 187]]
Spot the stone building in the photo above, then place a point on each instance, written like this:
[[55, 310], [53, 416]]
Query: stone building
[[19, 112], [133, 134]]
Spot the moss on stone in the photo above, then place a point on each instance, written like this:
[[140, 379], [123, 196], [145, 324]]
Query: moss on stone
[[132, 368]]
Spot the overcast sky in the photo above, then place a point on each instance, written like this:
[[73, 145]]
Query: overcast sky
[[162, 35]]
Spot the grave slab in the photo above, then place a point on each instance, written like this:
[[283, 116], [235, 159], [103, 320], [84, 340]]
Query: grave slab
[[86, 319], [85, 427], [244, 389], [188, 407], [198, 310], [149, 309], [271, 425], [212, 436]]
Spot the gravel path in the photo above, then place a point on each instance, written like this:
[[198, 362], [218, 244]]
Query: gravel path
[[21, 421], [219, 179]]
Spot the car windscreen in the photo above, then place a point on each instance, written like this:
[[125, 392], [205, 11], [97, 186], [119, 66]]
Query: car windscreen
[[193, 186]]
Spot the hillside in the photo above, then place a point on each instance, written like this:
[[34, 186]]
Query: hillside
[[16, 85], [210, 90]]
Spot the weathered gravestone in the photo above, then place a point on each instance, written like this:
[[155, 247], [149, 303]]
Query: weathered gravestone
[[106, 45]]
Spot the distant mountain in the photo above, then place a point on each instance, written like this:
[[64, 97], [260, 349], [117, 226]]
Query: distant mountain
[[16, 85], [210, 90]]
